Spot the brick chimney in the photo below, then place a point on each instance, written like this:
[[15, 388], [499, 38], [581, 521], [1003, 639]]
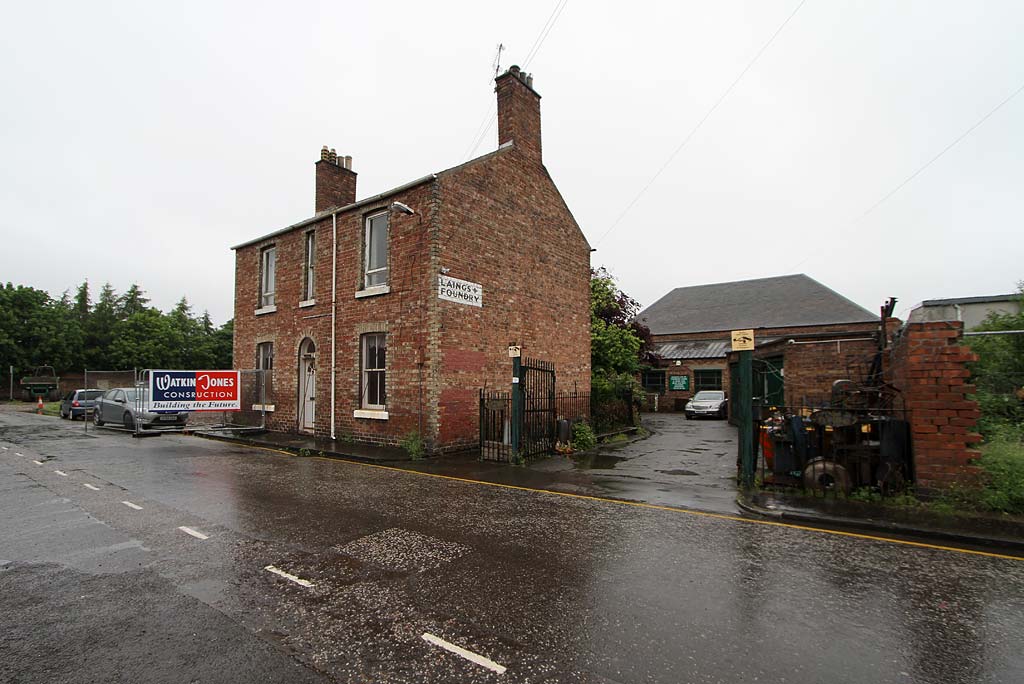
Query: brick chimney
[[335, 181], [518, 111]]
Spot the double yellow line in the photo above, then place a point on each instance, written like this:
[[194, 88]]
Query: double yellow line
[[655, 507]]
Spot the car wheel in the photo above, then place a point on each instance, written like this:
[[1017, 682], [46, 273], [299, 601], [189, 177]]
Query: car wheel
[[96, 417], [129, 422], [63, 415]]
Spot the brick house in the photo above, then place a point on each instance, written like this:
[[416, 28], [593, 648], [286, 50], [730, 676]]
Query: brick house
[[385, 316], [807, 337]]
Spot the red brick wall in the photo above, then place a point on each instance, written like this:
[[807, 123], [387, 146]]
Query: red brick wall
[[503, 224], [674, 400], [401, 313], [335, 186], [518, 113], [499, 222], [929, 366], [811, 369]]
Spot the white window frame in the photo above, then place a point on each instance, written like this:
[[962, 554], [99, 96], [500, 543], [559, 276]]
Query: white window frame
[[365, 371], [309, 268], [367, 242], [268, 276]]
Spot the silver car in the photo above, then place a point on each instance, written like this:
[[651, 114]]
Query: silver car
[[130, 407], [708, 403]]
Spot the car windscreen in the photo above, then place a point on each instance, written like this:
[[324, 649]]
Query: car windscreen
[[708, 395], [90, 394]]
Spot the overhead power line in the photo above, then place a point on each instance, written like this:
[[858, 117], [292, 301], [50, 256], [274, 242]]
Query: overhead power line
[[924, 166], [700, 123], [488, 121], [945, 149]]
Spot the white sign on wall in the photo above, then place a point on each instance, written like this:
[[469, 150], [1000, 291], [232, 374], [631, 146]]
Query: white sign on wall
[[460, 291]]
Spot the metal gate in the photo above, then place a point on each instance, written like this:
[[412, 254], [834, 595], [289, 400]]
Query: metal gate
[[525, 417], [537, 380]]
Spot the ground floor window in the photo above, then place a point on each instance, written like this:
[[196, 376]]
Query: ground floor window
[[373, 381], [653, 381], [707, 379], [265, 362]]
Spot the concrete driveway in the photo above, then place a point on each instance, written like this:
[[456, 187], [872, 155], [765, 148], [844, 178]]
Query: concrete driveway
[[688, 463]]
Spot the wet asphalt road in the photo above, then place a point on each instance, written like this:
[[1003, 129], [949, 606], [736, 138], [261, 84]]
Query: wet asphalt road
[[554, 588]]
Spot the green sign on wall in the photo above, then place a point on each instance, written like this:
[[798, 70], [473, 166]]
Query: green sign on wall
[[679, 383]]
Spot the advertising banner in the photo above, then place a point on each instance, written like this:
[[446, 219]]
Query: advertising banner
[[190, 390]]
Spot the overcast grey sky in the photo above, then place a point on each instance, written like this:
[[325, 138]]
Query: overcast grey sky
[[139, 141]]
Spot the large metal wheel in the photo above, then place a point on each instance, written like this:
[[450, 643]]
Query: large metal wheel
[[129, 421], [826, 476]]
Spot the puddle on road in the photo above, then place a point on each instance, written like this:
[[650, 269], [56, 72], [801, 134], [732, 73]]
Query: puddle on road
[[596, 461], [677, 472]]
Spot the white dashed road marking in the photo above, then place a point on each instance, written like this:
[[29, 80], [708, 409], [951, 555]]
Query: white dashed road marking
[[5, 448], [289, 576], [468, 655], [38, 462], [61, 473], [92, 487], [194, 533], [16, 453], [129, 504]]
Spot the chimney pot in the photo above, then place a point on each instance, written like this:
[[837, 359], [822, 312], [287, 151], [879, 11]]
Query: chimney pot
[[333, 157], [324, 153], [348, 162]]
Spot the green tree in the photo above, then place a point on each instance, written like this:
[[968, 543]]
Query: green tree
[[99, 330], [222, 345], [999, 372], [618, 343], [132, 302], [146, 339]]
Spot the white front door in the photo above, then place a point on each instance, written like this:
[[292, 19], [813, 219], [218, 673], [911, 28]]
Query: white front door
[[307, 386]]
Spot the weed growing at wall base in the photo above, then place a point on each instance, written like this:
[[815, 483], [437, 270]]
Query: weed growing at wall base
[[413, 445]]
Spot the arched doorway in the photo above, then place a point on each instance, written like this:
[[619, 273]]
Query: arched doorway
[[307, 385]]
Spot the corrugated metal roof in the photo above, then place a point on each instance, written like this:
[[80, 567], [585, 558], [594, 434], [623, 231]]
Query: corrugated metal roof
[[970, 300], [693, 349], [783, 301]]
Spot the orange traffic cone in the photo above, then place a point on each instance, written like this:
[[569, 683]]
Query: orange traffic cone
[[39, 405]]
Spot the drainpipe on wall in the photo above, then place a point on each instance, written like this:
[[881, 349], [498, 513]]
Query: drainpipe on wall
[[334, 311]]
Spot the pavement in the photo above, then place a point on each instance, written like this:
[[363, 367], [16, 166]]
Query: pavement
[[239, 564], [680, 463]]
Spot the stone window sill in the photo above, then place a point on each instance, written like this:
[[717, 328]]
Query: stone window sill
[[372, 414], [269, 408], [306, 302], [266, 310], [373, 291]]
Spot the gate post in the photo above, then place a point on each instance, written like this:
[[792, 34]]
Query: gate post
[[744, 402], [517, 405]]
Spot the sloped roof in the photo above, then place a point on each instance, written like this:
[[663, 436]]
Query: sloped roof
[[693, 349], [971, 300], [376, 198], [781, 301]]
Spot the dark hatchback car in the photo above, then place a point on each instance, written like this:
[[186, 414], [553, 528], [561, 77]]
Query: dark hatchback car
[[79, 403]]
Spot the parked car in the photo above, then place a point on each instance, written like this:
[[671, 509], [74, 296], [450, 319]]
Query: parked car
[[130, 407], [708, 403], [79, 403]]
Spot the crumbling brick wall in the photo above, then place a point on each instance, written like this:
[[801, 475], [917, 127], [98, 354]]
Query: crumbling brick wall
[[928, 365]]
